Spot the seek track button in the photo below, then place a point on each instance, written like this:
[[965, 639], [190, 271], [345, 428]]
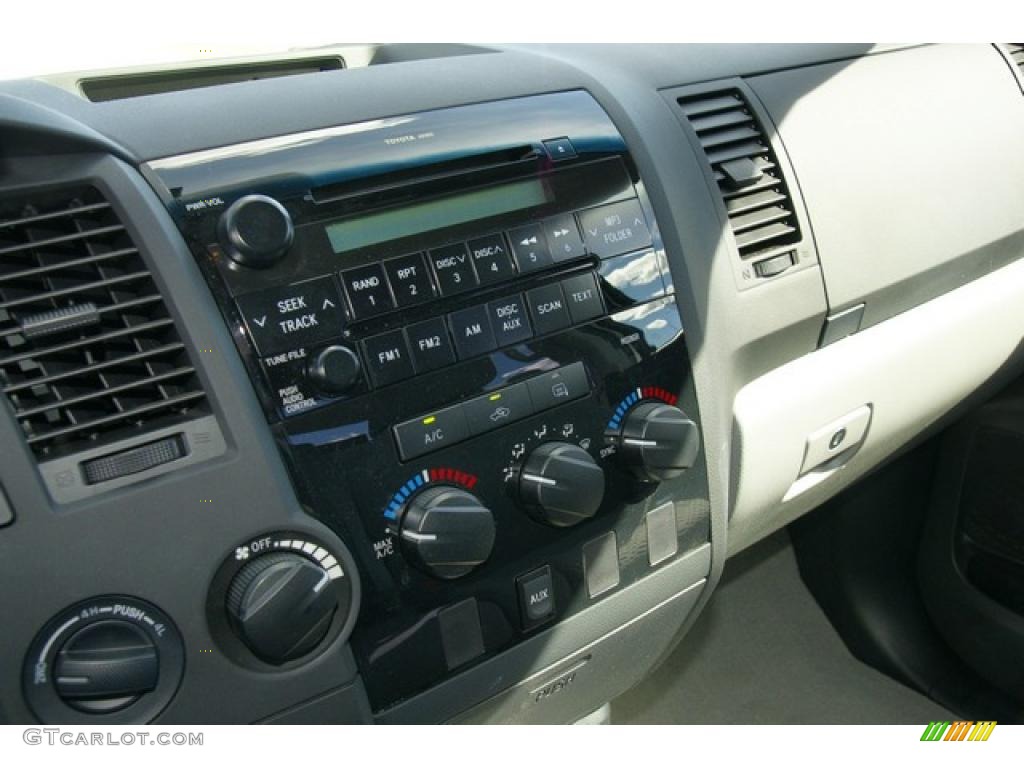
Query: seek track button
[[292, 316]]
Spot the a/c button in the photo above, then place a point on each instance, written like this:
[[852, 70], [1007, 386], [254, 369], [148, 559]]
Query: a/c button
[[430, 432]]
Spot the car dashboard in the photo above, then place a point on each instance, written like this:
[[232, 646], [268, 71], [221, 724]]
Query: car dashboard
[[420, 384]]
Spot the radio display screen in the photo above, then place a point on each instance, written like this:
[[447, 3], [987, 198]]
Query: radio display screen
[[360, 232]]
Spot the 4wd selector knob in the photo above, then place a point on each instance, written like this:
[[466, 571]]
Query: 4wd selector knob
[[256, 231], [659, 441], [561, 484], [446, 531], [281, 606]]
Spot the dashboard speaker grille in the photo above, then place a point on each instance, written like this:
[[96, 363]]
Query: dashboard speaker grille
[[756, 198], [87, 347]]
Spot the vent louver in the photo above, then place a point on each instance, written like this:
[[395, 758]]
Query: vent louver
[[1016, 51], [87, 347], [756, 197]]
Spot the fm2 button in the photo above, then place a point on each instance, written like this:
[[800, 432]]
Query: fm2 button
[[292, 316]]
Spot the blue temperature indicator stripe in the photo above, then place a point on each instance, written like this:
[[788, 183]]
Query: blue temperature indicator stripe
[[402, 495]]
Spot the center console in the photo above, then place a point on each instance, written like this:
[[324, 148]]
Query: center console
[[464, 335]]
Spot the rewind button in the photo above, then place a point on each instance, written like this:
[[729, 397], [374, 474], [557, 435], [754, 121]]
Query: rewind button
[[530, 248]]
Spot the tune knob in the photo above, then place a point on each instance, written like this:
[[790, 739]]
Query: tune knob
[[256, 231], [334, 369], [658, 441], [446, 531], [281, 606], [561, 484]]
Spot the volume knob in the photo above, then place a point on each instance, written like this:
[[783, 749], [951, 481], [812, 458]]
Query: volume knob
[[561, 484], [256, 231]]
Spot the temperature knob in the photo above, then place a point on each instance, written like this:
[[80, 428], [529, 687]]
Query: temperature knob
[[446, 531], [256, 231], [658, 441], [561, 484]]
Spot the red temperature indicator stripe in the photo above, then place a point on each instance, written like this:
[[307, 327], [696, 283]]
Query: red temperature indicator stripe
[[449, 475]]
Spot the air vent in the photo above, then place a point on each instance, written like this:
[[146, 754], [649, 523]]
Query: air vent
[[88, 351], [746, 169], [1016, 51]]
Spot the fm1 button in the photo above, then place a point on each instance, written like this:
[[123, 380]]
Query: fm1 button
[[387, 358], [536, 596], [431, 432]]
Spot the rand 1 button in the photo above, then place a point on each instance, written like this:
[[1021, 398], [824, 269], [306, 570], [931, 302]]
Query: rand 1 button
[[387, 358], [530, 248], [497, 409], [491, 259], [471, 330], [583, 298], [410, 279], [367, 291], [509, 320], [292, 316], [563, 238], [615, 228], [453, 269], [558, 386], [548, 309], [430, 432], [431, 348]]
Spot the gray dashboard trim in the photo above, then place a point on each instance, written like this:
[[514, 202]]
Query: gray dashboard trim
[[554, 646]]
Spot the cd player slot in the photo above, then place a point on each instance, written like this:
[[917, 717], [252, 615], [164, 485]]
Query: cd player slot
[[399, 185]]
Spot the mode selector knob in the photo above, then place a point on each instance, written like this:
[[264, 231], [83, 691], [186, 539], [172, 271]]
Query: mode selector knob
[[281, 606], [256, 231], [561, 484], [658, 441], [446, 531]]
